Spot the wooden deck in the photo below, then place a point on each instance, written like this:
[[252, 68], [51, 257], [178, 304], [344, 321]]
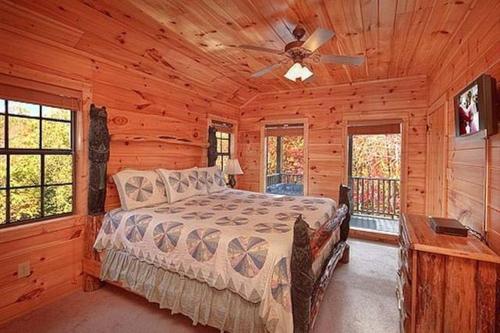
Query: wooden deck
[[377, 224]]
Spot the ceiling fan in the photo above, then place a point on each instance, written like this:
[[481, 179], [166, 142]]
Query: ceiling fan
[[299, 50]]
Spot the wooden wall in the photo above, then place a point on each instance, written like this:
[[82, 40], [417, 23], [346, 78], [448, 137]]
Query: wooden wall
[[138, 103], [469, 160], [53, 46], [328, 111], [54, 250]]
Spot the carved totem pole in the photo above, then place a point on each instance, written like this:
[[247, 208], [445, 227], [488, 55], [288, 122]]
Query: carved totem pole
[[212, 146], [98, 159]]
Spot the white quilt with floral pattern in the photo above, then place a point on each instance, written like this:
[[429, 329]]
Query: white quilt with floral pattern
[[232, 239]]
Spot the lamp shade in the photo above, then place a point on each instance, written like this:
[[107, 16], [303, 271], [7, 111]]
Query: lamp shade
[[233, 167]]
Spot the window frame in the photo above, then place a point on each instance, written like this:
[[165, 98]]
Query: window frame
[[263, 149], [219, 145], [42, 152]]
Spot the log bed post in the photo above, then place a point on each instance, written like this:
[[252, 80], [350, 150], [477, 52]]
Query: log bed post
[[98, 158], [345, 197], [306, 292], [302, 276], [92, 227]]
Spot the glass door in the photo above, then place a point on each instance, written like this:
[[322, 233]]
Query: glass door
[[285, 156], [374, 177]]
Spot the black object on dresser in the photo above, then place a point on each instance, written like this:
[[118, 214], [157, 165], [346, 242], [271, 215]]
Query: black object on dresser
[[442, 225]]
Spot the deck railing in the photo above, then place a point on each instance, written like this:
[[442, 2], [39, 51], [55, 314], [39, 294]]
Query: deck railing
[[376, 196], [284, 178]]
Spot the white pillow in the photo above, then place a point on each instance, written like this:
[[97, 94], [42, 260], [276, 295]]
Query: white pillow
[[182, 184], [215, 179], [139, 188]]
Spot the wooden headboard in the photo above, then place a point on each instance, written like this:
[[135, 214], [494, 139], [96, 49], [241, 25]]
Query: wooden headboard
[[143, 152]]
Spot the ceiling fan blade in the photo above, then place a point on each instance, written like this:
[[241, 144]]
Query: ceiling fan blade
[[319, 37], [265, 70], [342, 60], [258, 48]]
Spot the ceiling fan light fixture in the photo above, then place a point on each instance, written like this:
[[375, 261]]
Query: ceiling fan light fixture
[[294, 72], [297, 71], [306, 73]]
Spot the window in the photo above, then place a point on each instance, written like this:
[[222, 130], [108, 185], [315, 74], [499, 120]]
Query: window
[[36, 162], [223, 148]]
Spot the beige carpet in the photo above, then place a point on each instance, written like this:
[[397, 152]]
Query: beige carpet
[[361, 298]]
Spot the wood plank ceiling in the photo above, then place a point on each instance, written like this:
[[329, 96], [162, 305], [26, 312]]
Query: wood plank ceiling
[[188, 42]]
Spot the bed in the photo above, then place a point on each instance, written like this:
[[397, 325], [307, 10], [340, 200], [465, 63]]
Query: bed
[[235, 260]]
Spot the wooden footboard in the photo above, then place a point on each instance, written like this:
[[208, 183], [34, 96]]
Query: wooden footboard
[[307, 292]]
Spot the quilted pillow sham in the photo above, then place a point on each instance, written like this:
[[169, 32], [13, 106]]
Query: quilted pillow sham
[[182, 184], [215, 179], [139, 189]]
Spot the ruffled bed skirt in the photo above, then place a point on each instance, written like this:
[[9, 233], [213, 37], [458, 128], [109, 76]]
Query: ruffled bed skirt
[[221, 309]]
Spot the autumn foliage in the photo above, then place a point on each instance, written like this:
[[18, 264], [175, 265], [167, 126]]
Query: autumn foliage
[[376, 156], [292, 155]]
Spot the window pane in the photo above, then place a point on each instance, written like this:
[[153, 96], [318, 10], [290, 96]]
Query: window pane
[[225, 146], [58, 200], [58, 169], [218, 162], [2, 131], [25, 109], [56, 135], [224, 161], [3, 207], [24, 133], [24, 170], [25, 204], [3, 170], [2, 105], [56, 113]]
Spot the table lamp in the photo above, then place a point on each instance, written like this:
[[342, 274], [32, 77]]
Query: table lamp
[[233, 168]]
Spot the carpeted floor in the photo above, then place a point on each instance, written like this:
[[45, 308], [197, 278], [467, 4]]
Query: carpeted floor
[[361, 298]]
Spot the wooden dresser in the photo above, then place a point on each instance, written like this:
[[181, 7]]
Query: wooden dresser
[[445, 283]]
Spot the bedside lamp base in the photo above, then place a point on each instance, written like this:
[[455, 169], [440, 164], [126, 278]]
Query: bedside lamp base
[[232, 181]]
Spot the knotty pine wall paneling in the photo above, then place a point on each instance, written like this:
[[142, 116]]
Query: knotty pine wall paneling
[[436, 158], [54, 250], [38, 51], [328, 111], [473, 163]]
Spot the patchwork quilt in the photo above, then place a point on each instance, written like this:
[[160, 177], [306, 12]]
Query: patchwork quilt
[[236, 240]]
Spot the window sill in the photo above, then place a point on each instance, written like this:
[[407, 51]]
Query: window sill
[[36, 228]]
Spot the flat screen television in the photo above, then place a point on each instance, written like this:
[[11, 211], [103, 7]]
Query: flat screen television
[[475, 107]]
